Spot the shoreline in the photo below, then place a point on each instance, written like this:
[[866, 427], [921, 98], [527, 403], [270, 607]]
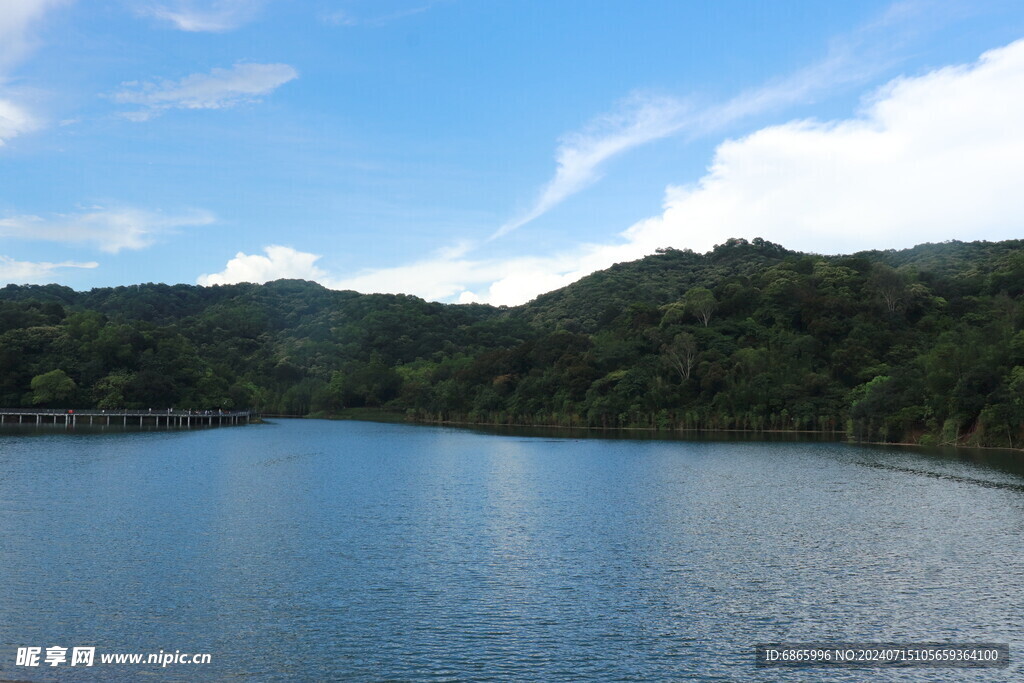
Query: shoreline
[[842, 437]]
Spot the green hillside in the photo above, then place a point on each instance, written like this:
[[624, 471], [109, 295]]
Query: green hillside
[[920, 345]]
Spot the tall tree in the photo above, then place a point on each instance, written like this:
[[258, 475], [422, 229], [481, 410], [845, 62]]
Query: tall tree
[[700, 302]]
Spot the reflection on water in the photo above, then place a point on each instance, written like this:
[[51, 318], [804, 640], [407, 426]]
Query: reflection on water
[[1004, 460], [727, 436], [323, 550]]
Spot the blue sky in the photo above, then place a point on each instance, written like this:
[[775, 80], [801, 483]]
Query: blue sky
[[489, 150]]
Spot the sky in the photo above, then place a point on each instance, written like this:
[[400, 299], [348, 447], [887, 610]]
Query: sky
[[492, 150]]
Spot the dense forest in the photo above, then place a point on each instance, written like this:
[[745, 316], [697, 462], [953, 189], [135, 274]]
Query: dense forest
[[922, 345]]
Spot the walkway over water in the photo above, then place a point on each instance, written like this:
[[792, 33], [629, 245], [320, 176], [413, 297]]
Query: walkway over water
[[166, 417]]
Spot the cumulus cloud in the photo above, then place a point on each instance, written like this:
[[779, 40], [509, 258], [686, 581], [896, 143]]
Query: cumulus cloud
[[28, 272], [440, 277], [219, 89], [508, 281], [930, 158], [109, 229], [450, 275], [216, 16], [279, 262], [927, 159]]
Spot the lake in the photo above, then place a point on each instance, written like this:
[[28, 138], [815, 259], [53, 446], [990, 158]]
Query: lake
[[306, 549]]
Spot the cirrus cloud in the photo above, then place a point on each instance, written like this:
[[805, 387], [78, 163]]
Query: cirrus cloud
[[108, 229], [636, 122], [219, 89], [216, 16]]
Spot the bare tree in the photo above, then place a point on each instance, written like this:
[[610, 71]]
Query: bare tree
[[681, 353], [890, 285]]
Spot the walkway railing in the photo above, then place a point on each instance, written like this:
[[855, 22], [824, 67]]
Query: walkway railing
[[167, 417], [135, 413]]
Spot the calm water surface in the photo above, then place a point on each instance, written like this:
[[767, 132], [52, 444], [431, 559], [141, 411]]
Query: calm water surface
[[350, 550]]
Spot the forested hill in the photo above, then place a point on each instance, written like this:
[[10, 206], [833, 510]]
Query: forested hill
[[923, 344]]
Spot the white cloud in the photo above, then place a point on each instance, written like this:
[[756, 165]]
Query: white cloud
[[442, 276], [345, 18], [339, 18], [579, 155], [16, 20], [219, 89], [15, 120], [17, 17], [28, 272], [930, 158], [499, 281], [280, 262], [109, 229], [214, 16]]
